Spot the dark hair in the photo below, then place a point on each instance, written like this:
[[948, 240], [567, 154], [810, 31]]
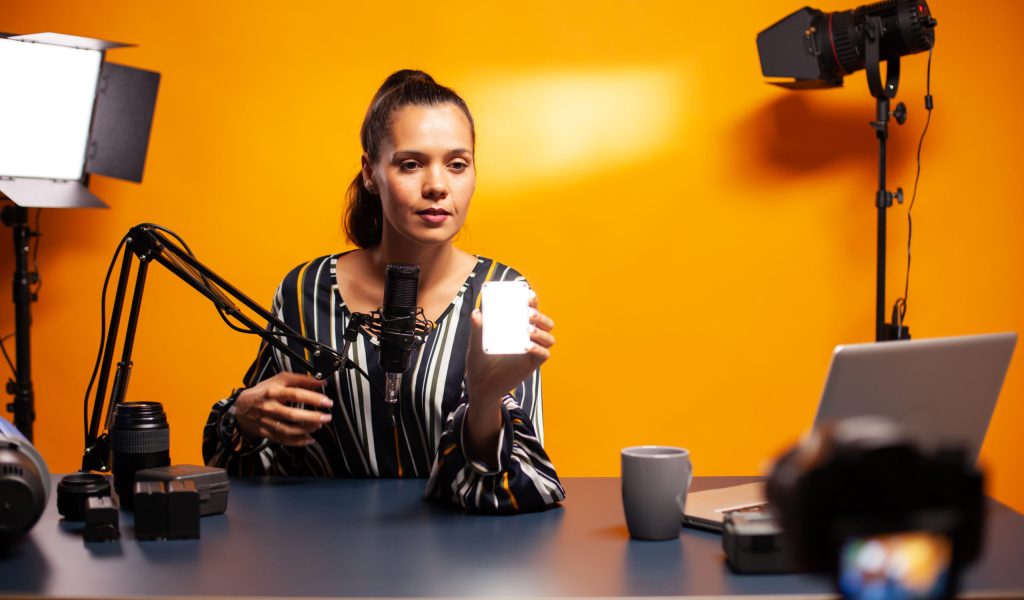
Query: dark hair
[[364, 217]]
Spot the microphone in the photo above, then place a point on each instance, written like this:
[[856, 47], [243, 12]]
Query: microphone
[[398, 327]]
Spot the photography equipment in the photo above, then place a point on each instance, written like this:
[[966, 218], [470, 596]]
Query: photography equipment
[[753, 542], [211, 482], [399, 322], [148, 243], [66, 114], [24, 483], [166, 510], [862, 478], [819, 49], [102, 522], [139, 439], [75, 490]]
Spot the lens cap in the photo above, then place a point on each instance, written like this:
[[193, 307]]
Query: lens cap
[[74, 491]]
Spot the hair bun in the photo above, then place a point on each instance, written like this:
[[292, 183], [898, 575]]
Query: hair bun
[[405, 76]]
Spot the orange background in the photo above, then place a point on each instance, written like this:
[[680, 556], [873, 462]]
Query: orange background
[[702, 239]]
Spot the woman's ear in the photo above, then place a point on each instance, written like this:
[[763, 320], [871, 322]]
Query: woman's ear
[[367, 168]]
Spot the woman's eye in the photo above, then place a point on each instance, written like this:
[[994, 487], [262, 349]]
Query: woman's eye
[[409, 165], [458, 166]]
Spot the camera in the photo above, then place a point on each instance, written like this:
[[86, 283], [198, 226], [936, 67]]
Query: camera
[[860, 501]]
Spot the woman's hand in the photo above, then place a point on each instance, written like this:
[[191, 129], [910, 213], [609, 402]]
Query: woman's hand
[[490, 376], [262, 411]]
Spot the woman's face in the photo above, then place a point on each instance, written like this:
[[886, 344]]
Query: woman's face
[[425, 174]]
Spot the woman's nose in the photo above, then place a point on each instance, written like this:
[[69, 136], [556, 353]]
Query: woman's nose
[[435, 187]]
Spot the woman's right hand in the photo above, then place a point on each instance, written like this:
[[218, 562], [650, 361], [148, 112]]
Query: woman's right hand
[[263, 410]]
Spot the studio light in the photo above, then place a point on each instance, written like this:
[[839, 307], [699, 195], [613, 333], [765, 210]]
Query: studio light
[[65, 114], [817, 49]]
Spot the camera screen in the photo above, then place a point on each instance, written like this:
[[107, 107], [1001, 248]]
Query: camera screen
[[899, 565]]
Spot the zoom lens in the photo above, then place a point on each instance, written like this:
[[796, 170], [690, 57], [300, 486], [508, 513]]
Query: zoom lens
[[139, 439]]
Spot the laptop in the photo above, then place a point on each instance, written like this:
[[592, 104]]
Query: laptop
[[942, 391]]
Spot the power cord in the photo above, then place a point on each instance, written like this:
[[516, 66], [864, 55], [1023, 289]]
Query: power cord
[[900, 309], [103, 336], [7, 357]]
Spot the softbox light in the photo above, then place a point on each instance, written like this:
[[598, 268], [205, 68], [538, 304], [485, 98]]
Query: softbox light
[[66, 113]]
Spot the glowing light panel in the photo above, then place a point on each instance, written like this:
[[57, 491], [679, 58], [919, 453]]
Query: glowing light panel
[[45, 108]]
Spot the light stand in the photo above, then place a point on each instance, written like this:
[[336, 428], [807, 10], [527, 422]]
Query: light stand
[[883, 197], [818, 49], [23, 405]]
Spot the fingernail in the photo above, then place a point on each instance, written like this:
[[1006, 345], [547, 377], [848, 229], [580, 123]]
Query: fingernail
[[308, 442], [325, 418], [325, 401]]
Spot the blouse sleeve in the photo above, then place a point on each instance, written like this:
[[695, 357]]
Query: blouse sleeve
[[224, 444], [524, 478]]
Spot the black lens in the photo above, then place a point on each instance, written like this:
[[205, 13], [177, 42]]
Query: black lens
[[811, 45], [139, 439], [907, 28], [74, 491]]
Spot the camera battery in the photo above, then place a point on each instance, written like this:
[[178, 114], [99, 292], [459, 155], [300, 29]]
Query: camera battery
[[211, 484], [754, 543], [150, 510], [101, 520], [182, 510]]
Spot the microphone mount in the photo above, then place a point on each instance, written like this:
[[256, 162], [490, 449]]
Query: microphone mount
[[407, 332]]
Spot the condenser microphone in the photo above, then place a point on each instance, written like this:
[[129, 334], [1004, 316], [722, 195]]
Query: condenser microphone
[[398, 327]]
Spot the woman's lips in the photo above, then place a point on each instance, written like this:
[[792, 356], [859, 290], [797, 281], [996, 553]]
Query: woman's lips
[[434, 216]]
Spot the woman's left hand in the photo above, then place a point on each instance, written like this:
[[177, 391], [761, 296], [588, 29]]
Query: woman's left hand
[[491, 376]]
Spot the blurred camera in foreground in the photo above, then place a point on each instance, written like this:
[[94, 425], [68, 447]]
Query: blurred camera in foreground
[[859, 501]]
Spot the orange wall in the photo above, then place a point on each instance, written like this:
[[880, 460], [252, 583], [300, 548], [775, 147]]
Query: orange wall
[[702, 239]]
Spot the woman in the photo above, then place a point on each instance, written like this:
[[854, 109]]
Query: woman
[[458, 421]]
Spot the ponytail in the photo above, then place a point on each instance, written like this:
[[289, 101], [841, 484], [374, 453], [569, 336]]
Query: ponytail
[[364, 216]]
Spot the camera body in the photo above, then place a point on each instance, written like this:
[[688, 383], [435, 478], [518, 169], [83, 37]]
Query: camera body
[[863, 479]]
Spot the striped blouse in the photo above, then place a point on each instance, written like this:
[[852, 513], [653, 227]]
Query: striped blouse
[[426, 439]]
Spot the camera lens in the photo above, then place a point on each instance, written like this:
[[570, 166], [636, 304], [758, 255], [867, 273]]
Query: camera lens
[[74, 491], [139, 439]]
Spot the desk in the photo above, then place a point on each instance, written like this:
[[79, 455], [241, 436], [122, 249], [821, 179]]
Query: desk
[[352, 538]]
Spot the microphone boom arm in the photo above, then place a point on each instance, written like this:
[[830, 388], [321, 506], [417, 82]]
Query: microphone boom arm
[[148, 243]]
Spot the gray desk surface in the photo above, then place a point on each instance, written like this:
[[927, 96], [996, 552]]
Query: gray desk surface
[[378, 538]]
